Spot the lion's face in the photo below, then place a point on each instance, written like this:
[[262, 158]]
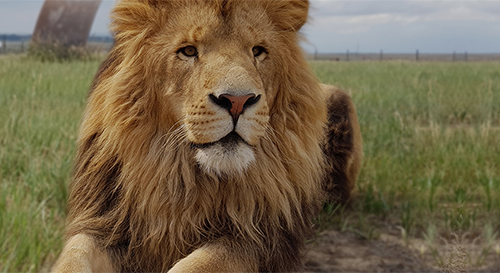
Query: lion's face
[[224, 100], [225, 112], [216, 65]]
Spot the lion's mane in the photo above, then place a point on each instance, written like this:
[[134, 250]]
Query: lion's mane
[[137, 187]]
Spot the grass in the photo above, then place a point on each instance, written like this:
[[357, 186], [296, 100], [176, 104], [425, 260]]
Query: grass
[[57, 52], [431, 142], [40, 108]]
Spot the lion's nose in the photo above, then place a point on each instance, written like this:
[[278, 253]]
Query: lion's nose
[[235, 104]]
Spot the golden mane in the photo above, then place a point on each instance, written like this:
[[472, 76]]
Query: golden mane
[[137, 188]]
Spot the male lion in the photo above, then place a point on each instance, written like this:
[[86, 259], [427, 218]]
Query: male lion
[[207, 142]]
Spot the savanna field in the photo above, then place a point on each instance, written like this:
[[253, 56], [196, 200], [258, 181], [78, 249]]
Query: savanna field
[[430, 177]]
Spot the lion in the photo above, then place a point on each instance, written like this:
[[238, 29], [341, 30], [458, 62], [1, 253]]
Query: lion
[[207, 144]]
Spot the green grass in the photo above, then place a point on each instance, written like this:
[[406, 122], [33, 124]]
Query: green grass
[[40, 108], [431, 142]]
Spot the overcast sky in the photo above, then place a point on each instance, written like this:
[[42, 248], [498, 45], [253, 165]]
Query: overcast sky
[[432, 26]]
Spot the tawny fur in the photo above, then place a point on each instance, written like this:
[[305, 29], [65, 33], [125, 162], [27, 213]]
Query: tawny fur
[[140, 198]]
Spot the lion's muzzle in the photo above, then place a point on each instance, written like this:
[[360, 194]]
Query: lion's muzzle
[[227, 119]]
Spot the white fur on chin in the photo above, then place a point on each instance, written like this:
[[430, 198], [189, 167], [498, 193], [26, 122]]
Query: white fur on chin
[[225, 160]]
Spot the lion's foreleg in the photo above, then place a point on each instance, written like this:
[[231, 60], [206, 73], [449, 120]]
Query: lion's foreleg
[[81, 254], [217, 257]]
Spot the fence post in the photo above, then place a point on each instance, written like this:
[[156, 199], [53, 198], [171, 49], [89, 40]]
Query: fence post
[[347, 55], [4, 43], [416, 56]]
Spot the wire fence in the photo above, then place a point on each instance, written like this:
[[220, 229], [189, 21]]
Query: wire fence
[[20, 47], [417, 56], [17, 44], [13, 47]]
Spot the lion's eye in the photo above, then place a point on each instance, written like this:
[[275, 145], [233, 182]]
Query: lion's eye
[[258, 50], [188, 51]]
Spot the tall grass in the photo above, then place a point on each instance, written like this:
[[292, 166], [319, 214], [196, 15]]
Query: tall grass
[[40, 108], [58, 52], [431, 143]]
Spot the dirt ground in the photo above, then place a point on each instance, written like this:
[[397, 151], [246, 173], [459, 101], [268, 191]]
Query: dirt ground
[[334, 251]]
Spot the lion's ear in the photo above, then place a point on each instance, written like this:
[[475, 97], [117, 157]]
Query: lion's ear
[[135, 15], [288, 15]]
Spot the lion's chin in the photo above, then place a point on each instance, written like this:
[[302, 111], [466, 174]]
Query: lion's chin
[[230, 155]]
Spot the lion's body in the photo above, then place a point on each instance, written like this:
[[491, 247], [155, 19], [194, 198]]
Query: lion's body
[[168, 174]]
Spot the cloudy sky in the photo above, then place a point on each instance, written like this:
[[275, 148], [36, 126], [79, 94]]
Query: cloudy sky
[[431, 26]]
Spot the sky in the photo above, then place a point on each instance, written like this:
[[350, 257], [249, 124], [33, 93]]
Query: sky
[[394, 26]]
